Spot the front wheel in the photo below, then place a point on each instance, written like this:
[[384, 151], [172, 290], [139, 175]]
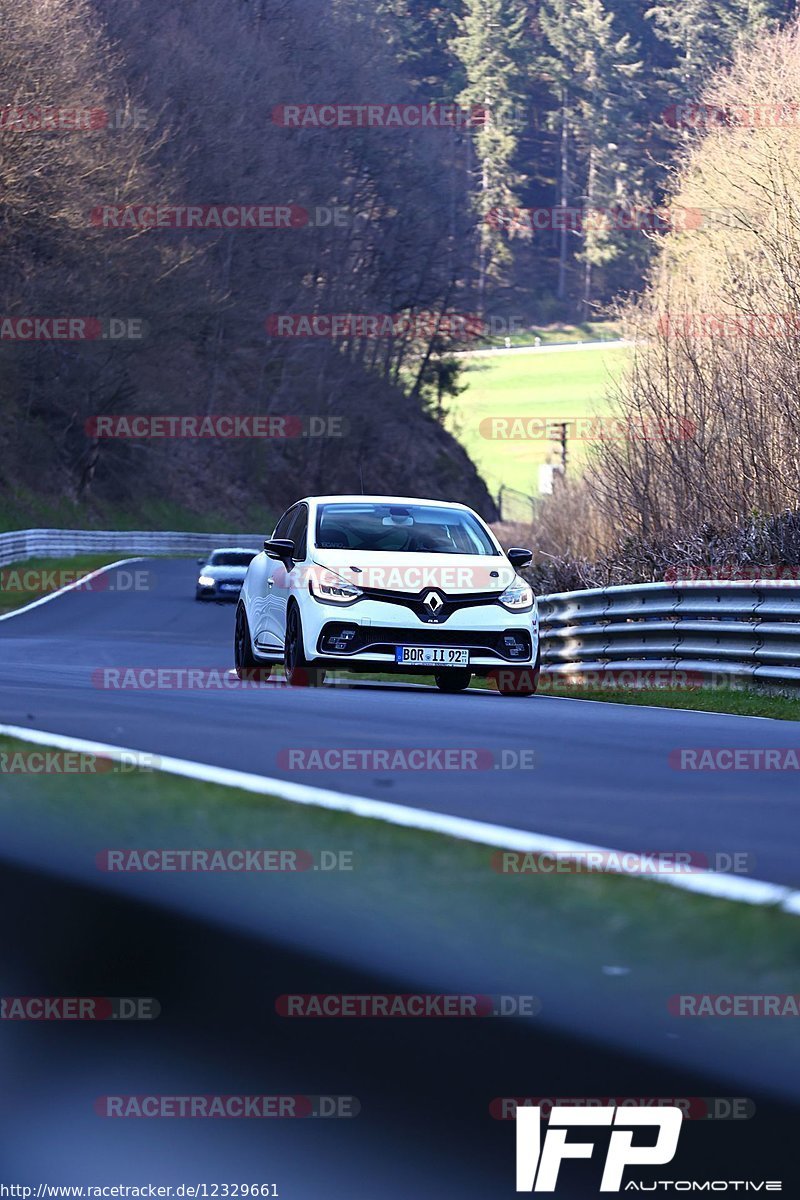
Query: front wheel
[[453, 680], [296, 668], [519, 681], [245, 663]]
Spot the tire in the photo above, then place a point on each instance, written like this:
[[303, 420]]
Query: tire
[[246, 665], [519, 681], [295, 664], [453, 680]]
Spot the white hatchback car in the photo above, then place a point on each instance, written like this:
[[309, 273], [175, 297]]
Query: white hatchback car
[[389, 584]]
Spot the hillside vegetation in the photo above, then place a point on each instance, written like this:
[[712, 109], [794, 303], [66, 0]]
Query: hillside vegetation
[[717, 354], [188, 93], [446, 231]]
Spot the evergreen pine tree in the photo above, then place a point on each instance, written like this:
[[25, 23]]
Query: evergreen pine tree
[[489, 46]]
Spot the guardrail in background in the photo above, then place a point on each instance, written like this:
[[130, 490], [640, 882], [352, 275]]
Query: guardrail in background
[[63, 543], [743, 627], [738, 628]]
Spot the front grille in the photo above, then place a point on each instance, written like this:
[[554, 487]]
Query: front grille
[[340, 637], [445, 607]]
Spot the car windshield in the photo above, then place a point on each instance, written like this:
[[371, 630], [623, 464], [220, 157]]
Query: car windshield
[[231, 558], [401, 528]]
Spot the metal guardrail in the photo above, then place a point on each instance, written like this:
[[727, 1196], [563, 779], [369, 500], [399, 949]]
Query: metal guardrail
[[63, 543], [709, 627]]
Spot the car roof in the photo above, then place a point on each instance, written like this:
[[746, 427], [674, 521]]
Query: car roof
[[379, 500]]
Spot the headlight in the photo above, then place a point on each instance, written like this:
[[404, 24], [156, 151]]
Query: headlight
[[206, 581], [332, 589], [518, 597]]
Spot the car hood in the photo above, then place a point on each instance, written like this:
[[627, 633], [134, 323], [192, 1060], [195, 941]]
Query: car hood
[[455, 574], [224, 572]]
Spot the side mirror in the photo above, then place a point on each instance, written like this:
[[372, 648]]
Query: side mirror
[[519, 557], [201, 562], [280, 548]]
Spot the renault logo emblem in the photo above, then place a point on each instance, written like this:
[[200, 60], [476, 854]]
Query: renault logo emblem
[[433, 601]]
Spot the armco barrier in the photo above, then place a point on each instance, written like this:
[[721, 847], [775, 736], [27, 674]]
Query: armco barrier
[[63, 543], [737, 628]]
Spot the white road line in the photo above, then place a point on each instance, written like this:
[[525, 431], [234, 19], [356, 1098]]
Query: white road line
[[708, 883], [123, 562]]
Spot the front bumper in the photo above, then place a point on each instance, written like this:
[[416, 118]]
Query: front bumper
[[499, 647], [218, 592], [363, 636]]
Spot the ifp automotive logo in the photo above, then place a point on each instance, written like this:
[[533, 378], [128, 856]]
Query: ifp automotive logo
[[538, 1164]]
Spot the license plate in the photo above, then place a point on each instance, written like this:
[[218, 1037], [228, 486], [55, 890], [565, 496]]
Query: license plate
[[229, 587], [432, 656]]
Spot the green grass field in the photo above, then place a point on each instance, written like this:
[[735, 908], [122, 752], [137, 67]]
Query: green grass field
[[555, 386]]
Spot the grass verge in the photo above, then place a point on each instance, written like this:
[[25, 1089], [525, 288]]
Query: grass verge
[[742, 702], [23, 582]]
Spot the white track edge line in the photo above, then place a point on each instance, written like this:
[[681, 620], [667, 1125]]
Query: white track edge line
[[703, 712], [17, 612], [723, 887]]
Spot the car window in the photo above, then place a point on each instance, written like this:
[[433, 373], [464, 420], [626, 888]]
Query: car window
[[284, 523], [299, 533], [223, 558], [413, 528], [296, 531]]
